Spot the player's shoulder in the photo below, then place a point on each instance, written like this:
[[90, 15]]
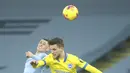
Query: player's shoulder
[[49, 55], [43, 54], [71, 56]]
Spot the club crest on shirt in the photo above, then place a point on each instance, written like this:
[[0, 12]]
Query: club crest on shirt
[[69, 65]]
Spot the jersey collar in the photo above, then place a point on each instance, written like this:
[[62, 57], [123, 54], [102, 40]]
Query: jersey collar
[[66, 55]]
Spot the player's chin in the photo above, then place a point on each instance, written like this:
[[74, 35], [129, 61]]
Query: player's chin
[[55, 56]]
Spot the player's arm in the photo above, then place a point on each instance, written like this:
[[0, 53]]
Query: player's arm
[[38, 57], [35, 57], [92, 69], [29, 54], [37, 64], [86, 66]]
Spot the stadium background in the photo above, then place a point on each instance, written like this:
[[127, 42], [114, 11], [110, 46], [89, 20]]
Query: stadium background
[[99, 35]]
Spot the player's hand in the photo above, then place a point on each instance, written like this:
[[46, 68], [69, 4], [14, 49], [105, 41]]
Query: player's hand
[[34, 62], [29, 54]]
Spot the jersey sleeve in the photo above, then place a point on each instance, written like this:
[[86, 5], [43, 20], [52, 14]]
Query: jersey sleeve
[[35, 57], [47, 60], [39, 64], [39, 57], [81, 63], [92, 69]]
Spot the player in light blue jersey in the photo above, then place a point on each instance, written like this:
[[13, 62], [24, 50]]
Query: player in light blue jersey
[[42, 48]]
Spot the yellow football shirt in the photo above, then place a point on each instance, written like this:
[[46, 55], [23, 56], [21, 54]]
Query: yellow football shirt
[[66, 65]]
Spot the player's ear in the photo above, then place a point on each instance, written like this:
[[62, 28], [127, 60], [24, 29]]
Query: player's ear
[[61, 47]]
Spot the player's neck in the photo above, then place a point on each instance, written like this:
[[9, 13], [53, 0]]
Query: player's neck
[[62, 55]]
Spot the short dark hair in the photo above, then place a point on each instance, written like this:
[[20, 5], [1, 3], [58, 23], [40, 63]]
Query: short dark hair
[[58, 41]]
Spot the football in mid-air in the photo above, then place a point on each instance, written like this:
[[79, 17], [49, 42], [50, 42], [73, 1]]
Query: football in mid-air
[[70, 12]]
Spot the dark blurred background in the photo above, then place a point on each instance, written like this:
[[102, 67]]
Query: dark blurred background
[[100, 35]]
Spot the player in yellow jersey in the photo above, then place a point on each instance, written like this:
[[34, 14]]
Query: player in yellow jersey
[[61, 62]]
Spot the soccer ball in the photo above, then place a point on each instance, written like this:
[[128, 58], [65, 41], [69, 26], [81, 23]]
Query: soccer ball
[[70, 12]]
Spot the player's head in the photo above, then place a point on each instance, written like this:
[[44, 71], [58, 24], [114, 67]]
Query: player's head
[[56, 46], [43, 45]]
